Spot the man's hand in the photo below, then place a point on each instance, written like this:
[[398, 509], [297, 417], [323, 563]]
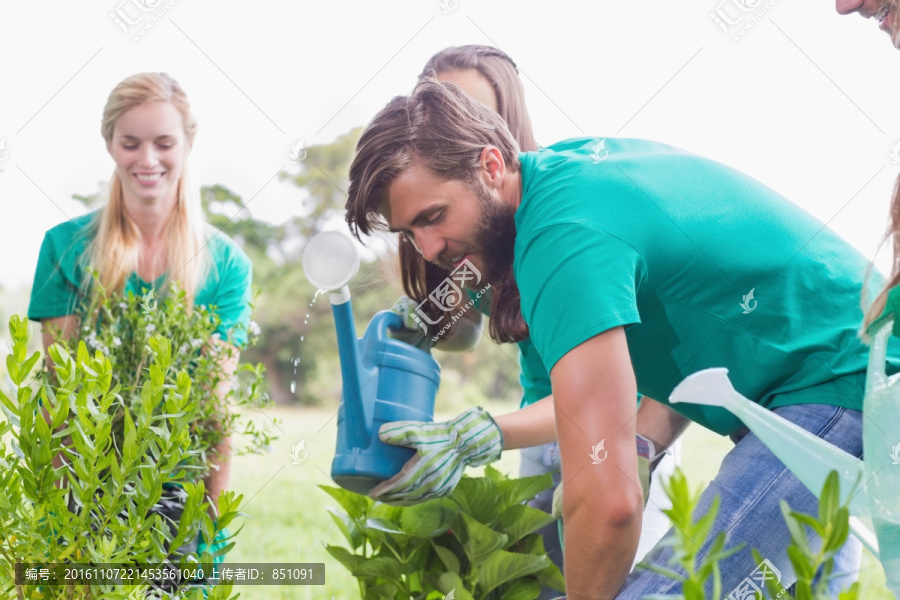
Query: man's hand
[[443, 451]]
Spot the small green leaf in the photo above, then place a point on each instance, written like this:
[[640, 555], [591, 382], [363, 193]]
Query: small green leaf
[[481, 540], [383, 566], [448, 557], [356, 505], [520, 520], [830, 500], [501, 567], [428, 519]]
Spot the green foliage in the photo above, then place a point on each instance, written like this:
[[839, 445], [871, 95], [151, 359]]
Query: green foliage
[[832, 526], [123, 327], [690, 534], [479, 541], [111, 483]]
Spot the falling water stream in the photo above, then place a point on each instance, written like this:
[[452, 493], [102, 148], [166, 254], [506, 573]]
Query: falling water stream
[[296, 359]]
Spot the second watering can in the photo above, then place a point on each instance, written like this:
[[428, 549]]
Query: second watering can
[[383, 379]]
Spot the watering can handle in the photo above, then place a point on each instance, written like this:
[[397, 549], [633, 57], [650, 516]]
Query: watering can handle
[[381, 322]]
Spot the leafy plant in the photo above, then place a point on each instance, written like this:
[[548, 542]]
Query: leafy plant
[[833, 527], [113, 484], [690, 534], [478, 543], [120, 325]]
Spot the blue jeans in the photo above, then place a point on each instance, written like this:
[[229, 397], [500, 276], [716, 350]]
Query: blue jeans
[[751, 482]]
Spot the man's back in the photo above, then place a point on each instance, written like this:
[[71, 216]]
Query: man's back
[[710, 267]]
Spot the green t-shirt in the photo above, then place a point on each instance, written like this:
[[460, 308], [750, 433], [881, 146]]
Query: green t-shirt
[[533, 377], [60, 275], [670, 245]]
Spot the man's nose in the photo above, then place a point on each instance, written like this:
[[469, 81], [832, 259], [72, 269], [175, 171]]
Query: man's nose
[[429, 245], [845, 7]]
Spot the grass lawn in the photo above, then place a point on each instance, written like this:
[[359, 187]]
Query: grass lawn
[[289, 523]]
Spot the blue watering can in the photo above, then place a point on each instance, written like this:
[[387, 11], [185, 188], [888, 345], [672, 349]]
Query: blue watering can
[[383, 379]]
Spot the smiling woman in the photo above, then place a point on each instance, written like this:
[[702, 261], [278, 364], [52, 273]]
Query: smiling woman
[[150, 236]]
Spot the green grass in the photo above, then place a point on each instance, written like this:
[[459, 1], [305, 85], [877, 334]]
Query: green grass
[[289, 523]]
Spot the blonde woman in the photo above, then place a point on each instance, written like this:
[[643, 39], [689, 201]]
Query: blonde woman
[[149, 234]]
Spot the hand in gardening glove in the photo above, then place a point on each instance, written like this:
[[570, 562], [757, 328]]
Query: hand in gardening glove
[[647, 461], [412, 332], [443, 451]]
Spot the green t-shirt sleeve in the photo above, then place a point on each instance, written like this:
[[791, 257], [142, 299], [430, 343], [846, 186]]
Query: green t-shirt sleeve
[[233, 295], [575, 283], [57, 277]]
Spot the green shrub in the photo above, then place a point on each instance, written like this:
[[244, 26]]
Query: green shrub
[[478, 543], [690, 534], [116, 479]]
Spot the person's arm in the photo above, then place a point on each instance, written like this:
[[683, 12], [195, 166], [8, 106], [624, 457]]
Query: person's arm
[[65, 327], [660, 424], [602, 506], [532, 425], [219, 476]]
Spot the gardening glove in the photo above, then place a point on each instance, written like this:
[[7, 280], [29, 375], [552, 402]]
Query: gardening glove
[[443, 451], [647, 461], [412, 332]]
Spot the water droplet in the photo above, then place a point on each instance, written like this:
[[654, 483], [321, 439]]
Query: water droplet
[[294, 387]]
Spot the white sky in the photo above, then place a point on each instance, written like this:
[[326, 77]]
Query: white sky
[[805, 101]]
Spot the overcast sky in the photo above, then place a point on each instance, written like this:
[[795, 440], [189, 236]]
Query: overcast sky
[[793, 94]]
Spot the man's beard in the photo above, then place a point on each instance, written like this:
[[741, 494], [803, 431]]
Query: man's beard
[[496, 236]]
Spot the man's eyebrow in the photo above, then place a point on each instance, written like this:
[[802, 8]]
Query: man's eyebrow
[[417, 220]]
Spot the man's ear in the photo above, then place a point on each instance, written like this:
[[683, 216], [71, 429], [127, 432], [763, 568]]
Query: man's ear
[[493, 167]]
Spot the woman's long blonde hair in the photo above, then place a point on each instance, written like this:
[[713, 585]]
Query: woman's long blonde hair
[[114, 253]]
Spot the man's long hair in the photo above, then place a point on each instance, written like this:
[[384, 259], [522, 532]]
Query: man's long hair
[[440, 128]]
